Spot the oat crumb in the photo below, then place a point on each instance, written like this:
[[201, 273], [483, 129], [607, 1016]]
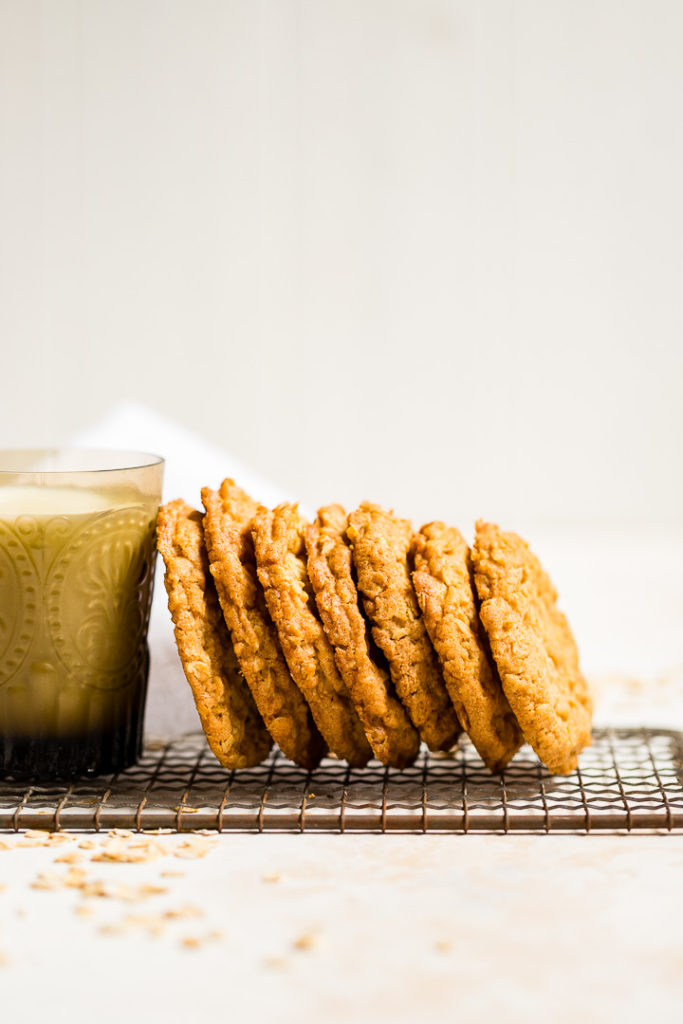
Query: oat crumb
[[60, 839], [173, 874], [304, 942], [275, 963], [111, 929], [47, 880], [74, 878], [69, 858], [122, 851], [189, 910], [273, 876], [194, 848], [443, 946]]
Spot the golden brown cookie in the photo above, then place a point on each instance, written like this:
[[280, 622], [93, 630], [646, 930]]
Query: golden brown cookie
[[227, 532], [381, 545], [444, 583], [232, 725], [281, 565], [392, 737], [533, 648]]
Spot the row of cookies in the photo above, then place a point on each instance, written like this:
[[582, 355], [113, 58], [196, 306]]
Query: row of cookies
[[271, 617]]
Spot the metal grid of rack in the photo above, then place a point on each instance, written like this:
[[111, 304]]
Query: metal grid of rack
[[628, 780]]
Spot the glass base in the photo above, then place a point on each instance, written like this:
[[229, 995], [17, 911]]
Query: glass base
[[62, 759], [105, 751]]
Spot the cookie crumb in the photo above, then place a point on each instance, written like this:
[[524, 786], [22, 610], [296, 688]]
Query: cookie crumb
[[443, 946], [304, 942], [273, 876]]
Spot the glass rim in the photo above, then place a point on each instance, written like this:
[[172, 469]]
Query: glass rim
[[97, 458]]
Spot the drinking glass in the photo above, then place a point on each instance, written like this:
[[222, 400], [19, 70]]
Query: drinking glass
[[77, 555]]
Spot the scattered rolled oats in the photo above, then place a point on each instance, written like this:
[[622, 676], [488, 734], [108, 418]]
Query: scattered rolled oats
[[273, 876], [60, 839], [111, 929], [194, 847], [152, 890], [304, 942], [87, 844], [189, 910], [74, 878], [129, 851], [4, 845], [173, 874], [70, 858], [47, 880]]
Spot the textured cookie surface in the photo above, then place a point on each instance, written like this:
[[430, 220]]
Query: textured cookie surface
[[227, 531], [444, 584], [381, 545], [281, 566], [226, 708], [533, 647], [393, 738]]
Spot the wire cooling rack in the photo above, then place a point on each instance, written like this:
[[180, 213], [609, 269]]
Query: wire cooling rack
[[628, 780]]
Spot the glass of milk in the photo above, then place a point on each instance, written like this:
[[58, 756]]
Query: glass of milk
[[77, 561]]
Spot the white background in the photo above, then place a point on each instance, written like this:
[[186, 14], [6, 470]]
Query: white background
[[420, 251]]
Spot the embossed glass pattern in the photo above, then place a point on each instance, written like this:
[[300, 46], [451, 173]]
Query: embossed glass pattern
[[76, 574]]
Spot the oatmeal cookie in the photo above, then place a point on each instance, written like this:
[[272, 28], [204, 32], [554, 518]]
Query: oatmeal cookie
[[533, 648], [227, 532], [281, 567], [226, 708], [444, 583], [393, 739], [381, 546]]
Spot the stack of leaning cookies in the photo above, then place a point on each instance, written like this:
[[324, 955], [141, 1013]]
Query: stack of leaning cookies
[[357, 636]]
